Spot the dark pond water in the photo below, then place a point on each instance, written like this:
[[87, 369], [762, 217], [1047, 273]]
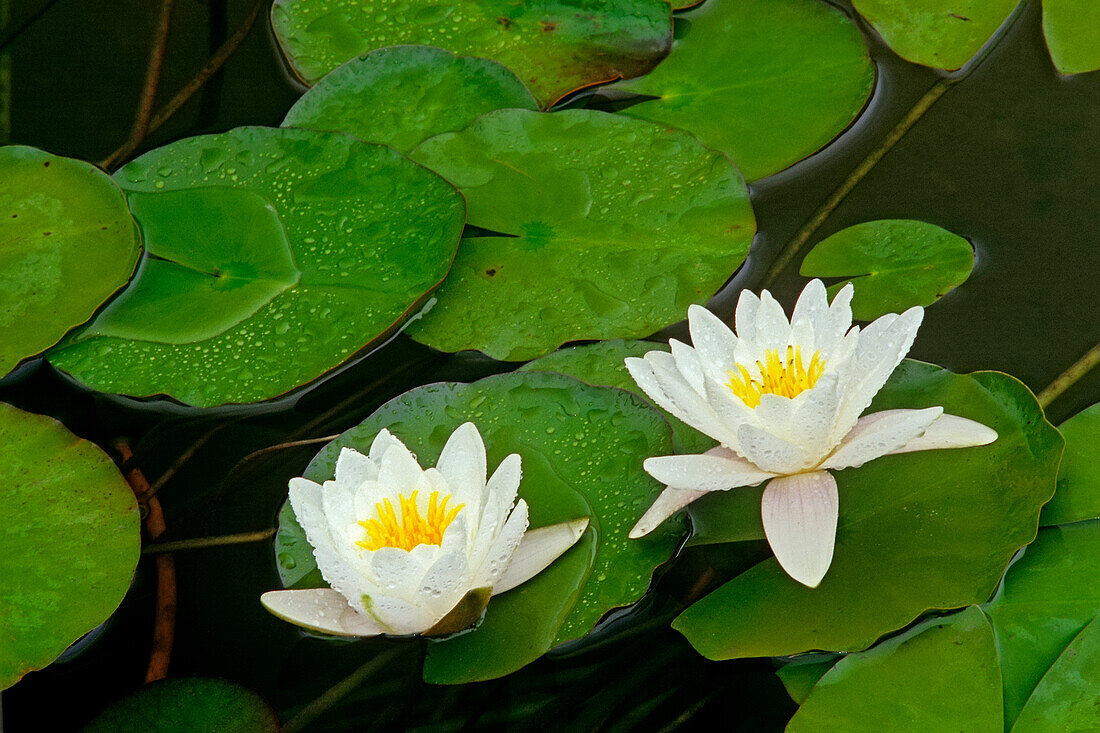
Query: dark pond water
[[1009, 157]]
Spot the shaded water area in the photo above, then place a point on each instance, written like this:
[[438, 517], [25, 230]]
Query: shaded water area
[[1009, 158]]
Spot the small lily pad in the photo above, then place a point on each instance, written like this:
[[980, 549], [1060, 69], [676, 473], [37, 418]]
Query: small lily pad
[[943, 34], [1078, 494], [1049, 596], [614, 226], [941, 675], [582, 449], [954, 519], [188, 705], [1072, 30], [272, 255], [603, 364], [800, 676], [1068, 696], [402, 95], [67, 242], [555, 46], [768, 82], [893, 264], [69, 545]]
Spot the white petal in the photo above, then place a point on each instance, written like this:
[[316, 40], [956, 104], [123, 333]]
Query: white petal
[[772, 453], [382, 443], [713, 340], [320, 609], [831, 329], [800, 514], [880, 433], [668, 503], [397, 571], [462, 461], [811, 310], [745, 318], [950, 431], [354, 469], [671, 391], [398, 471], [538, 548], [496, 560], [716, 470], [399, 616], [773, 330], [688, 364]]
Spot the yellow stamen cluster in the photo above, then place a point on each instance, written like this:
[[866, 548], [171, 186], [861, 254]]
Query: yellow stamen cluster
[[785, 378], [387, 529]]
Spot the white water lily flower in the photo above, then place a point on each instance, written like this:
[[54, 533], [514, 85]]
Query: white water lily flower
[[403, 547], [784, 399]]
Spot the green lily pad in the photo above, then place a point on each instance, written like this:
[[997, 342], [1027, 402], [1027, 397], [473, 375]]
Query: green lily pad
[[272, 255], [603, 365], [1078, 494], [1068, 696], [615, 226], [800, 676], [893, 264], [555, 46], [402, 95], [188, 705], [69, 545], [768, 82], [67, 242], [582, 449], [941, 675], [917, 531], [1072, 30], [943, 34], [1049, 596]]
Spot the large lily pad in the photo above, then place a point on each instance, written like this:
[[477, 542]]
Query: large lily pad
[[1068, 696], [893, 264], [67, 242], [1078, 494], [1072, 30], [555, 46], [402, 95], [603, 364], [943, 34], [1049, 596], [768, 82], [616, 226], [69, 544], [918, 531], [188, 705], [272, 255], [582, 449], [941, 675]]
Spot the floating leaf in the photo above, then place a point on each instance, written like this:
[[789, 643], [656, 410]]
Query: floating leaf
[[800, 676], [603, 365], [1078, 494], [615, 225], [893, 264], [941, 675], [402, 95], [67, 242], [1068, 696], [768, 82], [1049, 596], [188, 705], [69, 545], [1072, 30], [943, 34], [271, 257], [916, 532], [582, 449], [555, 46]]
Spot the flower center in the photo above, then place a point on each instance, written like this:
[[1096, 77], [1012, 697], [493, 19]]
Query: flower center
[[410, 529], [787, 378]]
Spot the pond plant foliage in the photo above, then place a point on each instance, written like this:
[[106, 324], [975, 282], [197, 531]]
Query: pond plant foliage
[[550, 187]]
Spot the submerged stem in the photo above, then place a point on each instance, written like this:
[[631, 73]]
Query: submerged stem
[[1066, 379], [203, 542], [339, 691]]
